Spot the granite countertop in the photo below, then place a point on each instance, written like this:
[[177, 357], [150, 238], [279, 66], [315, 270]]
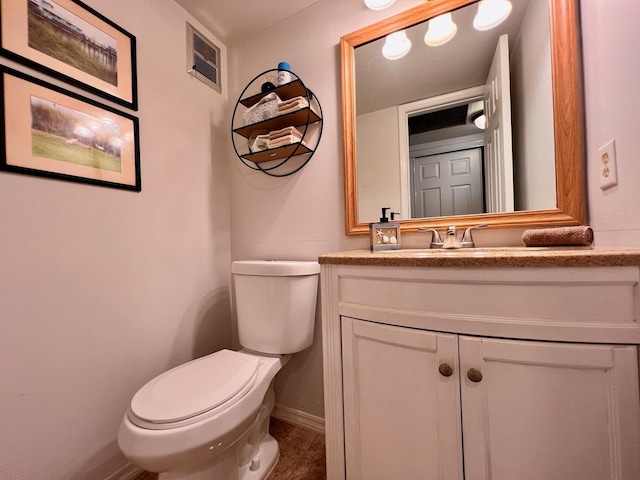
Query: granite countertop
[[489, 257]]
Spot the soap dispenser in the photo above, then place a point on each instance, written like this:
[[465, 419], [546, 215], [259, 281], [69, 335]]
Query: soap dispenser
[[385, 235]]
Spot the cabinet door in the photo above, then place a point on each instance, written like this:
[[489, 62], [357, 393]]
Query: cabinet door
[[402, 417], [549, 411]]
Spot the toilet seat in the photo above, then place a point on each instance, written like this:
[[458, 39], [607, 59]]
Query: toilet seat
[[194, 391]]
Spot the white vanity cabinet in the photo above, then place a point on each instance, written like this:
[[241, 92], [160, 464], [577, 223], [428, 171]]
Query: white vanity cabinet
[[481, 373], [402, 417]]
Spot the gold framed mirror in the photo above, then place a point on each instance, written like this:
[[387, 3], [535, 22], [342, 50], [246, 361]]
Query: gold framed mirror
[[567, 118]]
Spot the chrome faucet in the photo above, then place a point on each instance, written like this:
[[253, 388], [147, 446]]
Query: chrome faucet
[[451, 239]]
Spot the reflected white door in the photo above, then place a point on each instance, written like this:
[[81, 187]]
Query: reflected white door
[[447, 184], [497, 135]]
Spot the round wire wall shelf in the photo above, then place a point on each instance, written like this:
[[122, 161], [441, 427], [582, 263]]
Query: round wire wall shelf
[[277, 129]]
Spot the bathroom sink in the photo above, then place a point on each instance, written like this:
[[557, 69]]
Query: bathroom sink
[[473, 251]]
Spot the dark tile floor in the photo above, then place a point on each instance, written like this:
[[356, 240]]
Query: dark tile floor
[[147, 476], [301, 454]]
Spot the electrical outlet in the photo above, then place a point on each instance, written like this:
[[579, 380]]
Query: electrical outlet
[[607, 167]]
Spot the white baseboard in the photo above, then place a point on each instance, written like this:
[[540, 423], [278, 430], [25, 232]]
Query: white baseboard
[[298, 417], [127, 472]]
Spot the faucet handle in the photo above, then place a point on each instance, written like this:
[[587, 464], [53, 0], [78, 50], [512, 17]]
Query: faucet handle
[[436, 241], [467, 238]]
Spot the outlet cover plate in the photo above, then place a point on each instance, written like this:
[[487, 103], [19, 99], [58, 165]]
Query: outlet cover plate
[[607, 165]]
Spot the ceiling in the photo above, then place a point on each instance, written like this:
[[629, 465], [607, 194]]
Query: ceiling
[[230, 20]]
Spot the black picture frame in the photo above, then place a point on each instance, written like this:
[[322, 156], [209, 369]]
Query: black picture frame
[[108, 51], [50, 132]]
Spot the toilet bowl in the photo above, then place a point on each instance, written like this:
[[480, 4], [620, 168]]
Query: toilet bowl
[[160, 437], [209, 418]]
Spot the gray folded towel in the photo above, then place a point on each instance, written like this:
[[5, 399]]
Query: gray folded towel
[[581, 236]]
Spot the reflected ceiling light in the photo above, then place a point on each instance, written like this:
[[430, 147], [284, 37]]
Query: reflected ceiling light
[[396, 45], [379, 4], [479, 120], [491, 13], [441, 30]]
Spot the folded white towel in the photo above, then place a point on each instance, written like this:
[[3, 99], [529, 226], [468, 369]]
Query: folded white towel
[[284, 132], [283, 141], [291, 105], [292, 101], [294, 108]]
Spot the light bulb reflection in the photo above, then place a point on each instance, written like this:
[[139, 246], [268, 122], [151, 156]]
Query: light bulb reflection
[[441, 30], [396, 45], [379, 4], [491, 13]]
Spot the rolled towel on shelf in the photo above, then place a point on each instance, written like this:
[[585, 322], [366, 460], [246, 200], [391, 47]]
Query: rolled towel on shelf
[[581, 236]]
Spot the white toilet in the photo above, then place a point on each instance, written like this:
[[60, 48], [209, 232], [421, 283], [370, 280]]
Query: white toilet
[[209, 418]]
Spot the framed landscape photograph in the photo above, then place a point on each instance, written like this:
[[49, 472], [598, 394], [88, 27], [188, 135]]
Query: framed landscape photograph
[[50, 132], [70, 41]]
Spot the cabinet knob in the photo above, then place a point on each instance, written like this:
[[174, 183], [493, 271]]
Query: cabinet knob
[[445, 370], [474, 375]]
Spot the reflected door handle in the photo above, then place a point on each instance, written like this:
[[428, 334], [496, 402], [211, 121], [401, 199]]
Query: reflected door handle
[[474, 375], [445, 370]]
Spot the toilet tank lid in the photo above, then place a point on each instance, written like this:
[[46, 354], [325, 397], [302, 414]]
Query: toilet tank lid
[[276, 268]]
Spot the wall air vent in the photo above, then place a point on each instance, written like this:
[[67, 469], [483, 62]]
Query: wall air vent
[[203, 59]]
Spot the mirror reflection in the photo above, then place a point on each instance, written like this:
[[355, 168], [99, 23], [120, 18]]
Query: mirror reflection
[[458, 120]]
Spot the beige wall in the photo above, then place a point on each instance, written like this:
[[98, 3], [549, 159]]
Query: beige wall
[[612, 76], [102, 289]]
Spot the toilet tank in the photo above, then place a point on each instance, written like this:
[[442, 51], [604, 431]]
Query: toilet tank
[[275, 304]]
